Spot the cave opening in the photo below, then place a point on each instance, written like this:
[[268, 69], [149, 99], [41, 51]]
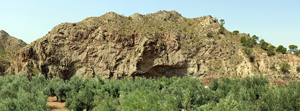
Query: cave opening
[[164, 71], [45, 71]]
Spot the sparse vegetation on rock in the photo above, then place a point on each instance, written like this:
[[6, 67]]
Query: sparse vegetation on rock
[[247, 42], [9, 46], [152, 45], [209, 34], [271, 50], [285, 67], [222, 28], [281, 49], [264, 45], [248, 51], [235, 32], [298, 69], [293, 48]]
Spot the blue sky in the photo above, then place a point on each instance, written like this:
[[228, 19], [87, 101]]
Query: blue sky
[[276, 21]]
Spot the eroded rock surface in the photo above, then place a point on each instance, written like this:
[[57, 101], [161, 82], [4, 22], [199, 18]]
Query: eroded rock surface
[[9, 46], [158, 44]]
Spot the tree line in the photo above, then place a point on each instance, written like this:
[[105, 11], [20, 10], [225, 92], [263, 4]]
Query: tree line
[[154, 94]]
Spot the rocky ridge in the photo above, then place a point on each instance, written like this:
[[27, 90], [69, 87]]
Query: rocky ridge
[[9, 46], [159, 44]]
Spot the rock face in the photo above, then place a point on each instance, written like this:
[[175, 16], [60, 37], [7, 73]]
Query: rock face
[[159, 44], [8, 48]]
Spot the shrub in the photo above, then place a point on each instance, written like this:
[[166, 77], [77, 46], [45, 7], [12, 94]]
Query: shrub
[[184, 29], [61, 90], [264, 45], [209, 34], [249, 54], [271, 51], [243, 39], [297, 52], [298, 69], [18, 94], [222, 29], [222, 22], [235, 32], [254, 39], [189, 23], [161, 28], [142, 100], [285, 67], [281, 49], [293, 48], [167, 94], [129, 17], [247, 42]]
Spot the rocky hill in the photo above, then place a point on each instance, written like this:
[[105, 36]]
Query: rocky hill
[[9, 46], [159, 44]]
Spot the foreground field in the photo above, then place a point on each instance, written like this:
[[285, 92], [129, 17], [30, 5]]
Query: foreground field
[[158, 94]]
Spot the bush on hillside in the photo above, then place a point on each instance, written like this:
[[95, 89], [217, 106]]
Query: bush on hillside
[[264, 45], [249, 54], [285, 67], [254, 39], [271, 51], [297, 52], [209, 34], [293, 48], [247, 42], [235, 32], [298, 69], [281, 49], [222, 29]]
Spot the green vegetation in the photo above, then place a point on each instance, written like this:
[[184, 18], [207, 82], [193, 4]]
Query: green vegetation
[[285, 67], [264, 45], [161, 28], [189, 23], [18, 94], [293, 48], [297, 52], [235, 32], [248, 51], [255, 39], [129, 18], [158, 94], [222, 29], [281, 49], [184, 29], [298, 69], [248, 42], [271, 51], [209, 34]]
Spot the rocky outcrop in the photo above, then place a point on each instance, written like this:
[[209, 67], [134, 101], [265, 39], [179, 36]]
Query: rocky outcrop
[[159, 44], [8, 48]]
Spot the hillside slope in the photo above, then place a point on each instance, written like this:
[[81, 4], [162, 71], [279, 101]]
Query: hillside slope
[[9, 46], [159, 44]]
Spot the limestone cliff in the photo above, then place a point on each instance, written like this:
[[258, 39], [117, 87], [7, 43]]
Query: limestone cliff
[[8, 48], [159, 44]]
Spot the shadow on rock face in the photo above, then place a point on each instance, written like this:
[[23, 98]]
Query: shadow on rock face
[[162, 70]]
